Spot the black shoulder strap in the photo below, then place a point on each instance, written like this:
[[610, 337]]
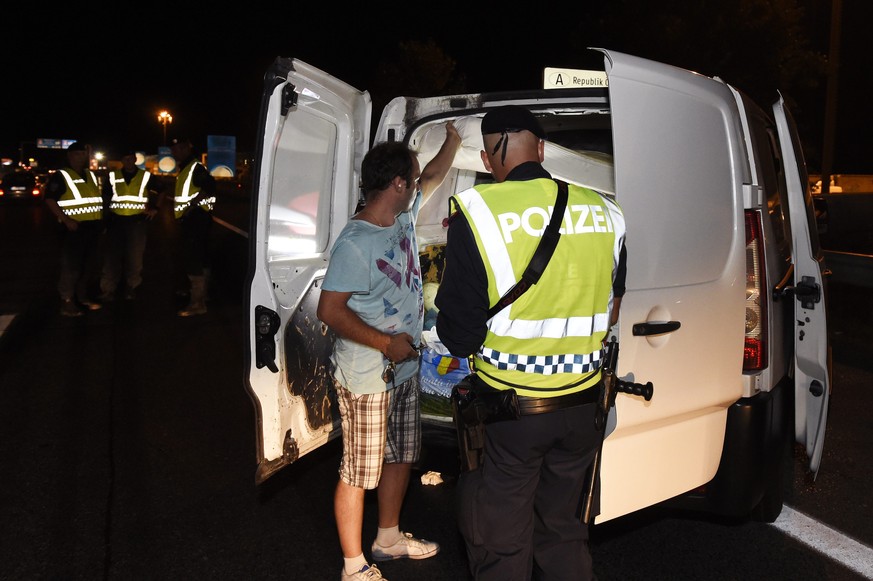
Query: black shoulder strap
[[541, 257]]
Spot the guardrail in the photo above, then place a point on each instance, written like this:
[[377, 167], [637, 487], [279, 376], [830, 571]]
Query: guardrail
[[850, 268]]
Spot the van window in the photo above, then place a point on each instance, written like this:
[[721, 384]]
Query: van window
[[772, 176], [776, 191], [809, 206], [301, 187]]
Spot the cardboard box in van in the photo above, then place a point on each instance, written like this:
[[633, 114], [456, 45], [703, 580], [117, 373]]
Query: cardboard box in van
[[725, 311]]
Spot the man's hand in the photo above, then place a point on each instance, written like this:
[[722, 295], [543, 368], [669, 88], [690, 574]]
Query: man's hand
[[452, 131], [400, 348], [433, 174], [333, 310]]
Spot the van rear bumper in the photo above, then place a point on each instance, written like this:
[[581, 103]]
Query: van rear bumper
[[757, 434]]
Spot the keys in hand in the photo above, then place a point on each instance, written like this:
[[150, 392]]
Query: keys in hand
[[391, 367]]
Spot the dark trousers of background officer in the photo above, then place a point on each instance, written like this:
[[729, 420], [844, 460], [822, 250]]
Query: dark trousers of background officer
[[125, 246], [79, 254], [520, 513], [195, 226]]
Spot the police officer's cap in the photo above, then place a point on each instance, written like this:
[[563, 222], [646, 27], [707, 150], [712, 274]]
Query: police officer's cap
[[77, 146], [509, 119]]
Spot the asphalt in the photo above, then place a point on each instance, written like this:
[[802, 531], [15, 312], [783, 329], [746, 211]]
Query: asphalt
[[127, 446]]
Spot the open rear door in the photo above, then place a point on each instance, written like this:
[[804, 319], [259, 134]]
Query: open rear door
[[679, 175], [314, 132], [812, 353]]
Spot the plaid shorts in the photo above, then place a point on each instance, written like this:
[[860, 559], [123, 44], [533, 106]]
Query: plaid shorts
[[378, 427]]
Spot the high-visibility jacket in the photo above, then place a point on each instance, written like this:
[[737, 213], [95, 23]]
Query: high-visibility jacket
[[82, 200], [186, 190], [129, 199], [549, 341]]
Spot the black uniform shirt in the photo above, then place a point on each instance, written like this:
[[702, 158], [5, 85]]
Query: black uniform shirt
[[462, 298]]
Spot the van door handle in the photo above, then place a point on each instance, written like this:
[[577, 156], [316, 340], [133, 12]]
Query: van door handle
[[644, 329], [266, 324]]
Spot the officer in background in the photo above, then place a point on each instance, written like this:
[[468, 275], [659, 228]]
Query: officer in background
[[520, 512], [193, 202], [72, 195], [133, 201]]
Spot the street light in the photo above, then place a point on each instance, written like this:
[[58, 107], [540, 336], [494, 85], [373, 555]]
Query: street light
[[164, 117]]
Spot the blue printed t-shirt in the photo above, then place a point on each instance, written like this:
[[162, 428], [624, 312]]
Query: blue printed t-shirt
[[380, 267]]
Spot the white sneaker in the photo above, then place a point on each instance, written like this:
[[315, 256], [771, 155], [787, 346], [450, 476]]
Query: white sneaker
[[367, 573], [407, 547]]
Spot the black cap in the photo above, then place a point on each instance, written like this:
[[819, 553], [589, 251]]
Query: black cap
[[77, 146], [511, 118]]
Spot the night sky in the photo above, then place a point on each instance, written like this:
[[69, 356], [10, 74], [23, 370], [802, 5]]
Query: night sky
[[101, 76]]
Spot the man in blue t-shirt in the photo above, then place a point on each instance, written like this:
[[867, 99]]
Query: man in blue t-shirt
[[372, 299]]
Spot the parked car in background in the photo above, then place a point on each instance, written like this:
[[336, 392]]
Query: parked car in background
[[20, 185]]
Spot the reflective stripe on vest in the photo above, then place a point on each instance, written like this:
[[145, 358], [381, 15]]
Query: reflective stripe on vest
[[82, 200], [543, 364], [528, 341], [123, 202], [186, 190]]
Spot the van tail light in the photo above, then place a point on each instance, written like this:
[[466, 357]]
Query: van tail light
[[755, 348], [34, 192]]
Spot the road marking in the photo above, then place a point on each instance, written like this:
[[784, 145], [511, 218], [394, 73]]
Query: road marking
[[230, 227], [847, 551]]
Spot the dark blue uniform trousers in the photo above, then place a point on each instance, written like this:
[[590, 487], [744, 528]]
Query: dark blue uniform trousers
[[520, 513]]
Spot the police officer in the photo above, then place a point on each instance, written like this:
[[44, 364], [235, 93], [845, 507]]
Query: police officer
[[72, 195], [132, 202], [193, 202], [520, 513]]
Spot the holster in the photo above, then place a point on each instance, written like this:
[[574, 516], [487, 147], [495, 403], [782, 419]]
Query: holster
[[474, 406]]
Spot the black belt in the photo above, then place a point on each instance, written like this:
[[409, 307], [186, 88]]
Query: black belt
[[540, 405]]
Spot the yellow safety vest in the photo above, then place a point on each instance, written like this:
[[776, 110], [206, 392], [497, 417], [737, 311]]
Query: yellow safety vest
[[549, 341], [82, 200], [186, 190], [129, 199]]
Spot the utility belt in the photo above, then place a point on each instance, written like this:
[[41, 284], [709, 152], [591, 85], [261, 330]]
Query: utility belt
[[475, 404]]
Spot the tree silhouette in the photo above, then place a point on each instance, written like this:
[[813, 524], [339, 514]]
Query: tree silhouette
[[415, 69], [759, 46]]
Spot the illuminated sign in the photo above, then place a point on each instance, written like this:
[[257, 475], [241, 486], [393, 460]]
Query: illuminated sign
[[221, 155], [166, 161], [44, 143]]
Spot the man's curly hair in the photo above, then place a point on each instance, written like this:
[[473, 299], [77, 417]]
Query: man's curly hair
[[383, 163]]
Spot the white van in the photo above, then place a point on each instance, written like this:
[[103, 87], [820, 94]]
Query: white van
[[725, 311]]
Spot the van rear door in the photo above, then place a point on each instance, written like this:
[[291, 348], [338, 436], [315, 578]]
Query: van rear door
[[680, 167], [314, 133], [812, 352]]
